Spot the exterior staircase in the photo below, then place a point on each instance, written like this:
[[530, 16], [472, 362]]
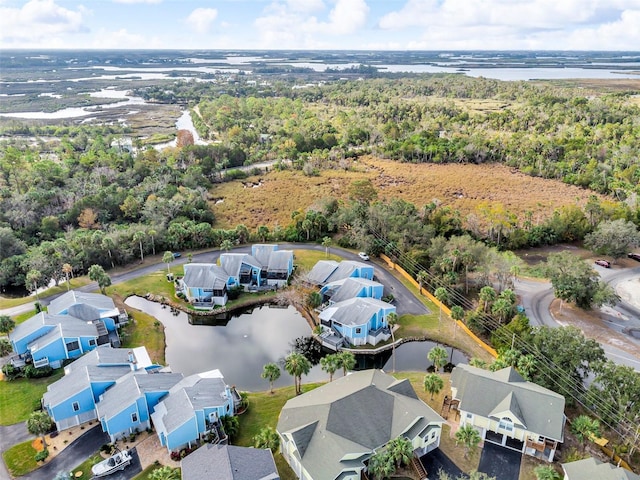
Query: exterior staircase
[[419, 468]]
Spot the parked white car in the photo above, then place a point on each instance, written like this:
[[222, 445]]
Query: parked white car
[[363, 256]]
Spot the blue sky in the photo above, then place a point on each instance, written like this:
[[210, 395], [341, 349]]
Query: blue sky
[[322, 24]]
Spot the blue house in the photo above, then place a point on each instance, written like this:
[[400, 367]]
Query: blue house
[[242, 269], [205, 284], [327, 271], [72, 400], [358, 321], [192, 409], [89, 307], [47, 339], [276, 265], [341, 290], [126, 406]]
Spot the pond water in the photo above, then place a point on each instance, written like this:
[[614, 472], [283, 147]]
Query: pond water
[[242, 345]]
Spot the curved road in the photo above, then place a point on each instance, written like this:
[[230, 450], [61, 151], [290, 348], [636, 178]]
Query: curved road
[[537, 295]]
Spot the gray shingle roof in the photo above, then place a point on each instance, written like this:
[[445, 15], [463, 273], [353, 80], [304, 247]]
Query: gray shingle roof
[[132, 386], [232, 262], [226, 462], [486, 394], [351, 415], [262, 252], [107, 355], [345, 270], [96, 300], [192, 393], [38, 321], [354, 311], [80, 379], [350, 287], [279, 260], [204, 275], [321, 271], [591, 468]]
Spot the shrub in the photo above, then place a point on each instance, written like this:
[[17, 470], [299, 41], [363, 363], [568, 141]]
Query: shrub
[[11, 373], [107, 448], [32, 372], [41, 456]]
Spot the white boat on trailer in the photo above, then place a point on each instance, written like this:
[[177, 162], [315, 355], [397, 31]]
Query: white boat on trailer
[[114, 463]]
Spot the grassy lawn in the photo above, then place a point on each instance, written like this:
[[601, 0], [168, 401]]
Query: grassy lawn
[[306, 259], [85, 467], [23, 317], [144, 330], [14, 302], [20, 397], [20, 458], [155, 283]]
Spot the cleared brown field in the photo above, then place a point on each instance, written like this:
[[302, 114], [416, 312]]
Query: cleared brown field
[[271, 198]]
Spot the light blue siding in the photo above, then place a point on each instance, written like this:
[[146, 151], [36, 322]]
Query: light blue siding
[[110, 324], [65, 409], [20, 346], [181, 436], [54, 351], [98, 388], [363, 272]]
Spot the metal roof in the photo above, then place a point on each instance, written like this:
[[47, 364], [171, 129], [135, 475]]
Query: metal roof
[[96, 300], [227, 462], [321, 271], [593, 468], [204, 275], [355, 311]]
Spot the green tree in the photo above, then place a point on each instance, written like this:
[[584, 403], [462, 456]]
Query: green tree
[[263, 233], [39, 423], [575, 281], [585, 428], [152, 234], [422, 278], [433, 384], [400, 449], [5, 347], [97, 274], [392, 321], [477, 362], [165, 473], [347, 361], [32, 279], [267, 437], [297, 365], [438, 357], [139, 237], [614, 238], [271, 372], [330, 363], [326, 243], [469, 437], [226, 245], [6, 324], [487, 296], [381, 465], [67, 269], [167, 257], [546, 472], [231, 426]]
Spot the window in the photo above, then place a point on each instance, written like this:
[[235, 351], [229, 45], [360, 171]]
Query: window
[[358, 330], [134, 417], [92, 342], [72, 346], [75, 406], [506, 424]]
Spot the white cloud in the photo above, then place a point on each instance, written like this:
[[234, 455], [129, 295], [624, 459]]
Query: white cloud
[[124, 39], [137, 1], [38, 20], [202, 18], [282, 26], [305, 5]]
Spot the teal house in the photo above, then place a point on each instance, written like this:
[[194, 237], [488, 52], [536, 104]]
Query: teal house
[[340, 290]]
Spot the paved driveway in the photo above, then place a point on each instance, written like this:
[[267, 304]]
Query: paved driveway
[[500, 462], [435, 461]]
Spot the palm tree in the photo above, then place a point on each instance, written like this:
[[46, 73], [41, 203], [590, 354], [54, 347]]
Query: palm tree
[[442, 295], [477, 362], [67, 269], [392, 321], [326, 243], [263, 233], [97, 274], [297, 365], [226, 245], [108, 244], [230, 425], [469, 437], [167, 257], [400, 450], [381, 465], [39, 423], [502, 309], [152, 234], [31, 280], [457, 314], [422, 278], [267, 437], [433, 384], [546, 472], [6, 324], [438, 356], [585, 428], [487, 295], [527, 365], [271, 372], [138, 237], [347, 361], [330, 363], [165, 473]]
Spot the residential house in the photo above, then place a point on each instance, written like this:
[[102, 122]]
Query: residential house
[[358, 320], [89, 307], [277, 265], [508, 410], [243, 270], [47, 339], [72, 400], [192, 408], [127, 405], [335, 292], [593, 468], [327, 271], [331, 432], [226, 462], [204, 284]]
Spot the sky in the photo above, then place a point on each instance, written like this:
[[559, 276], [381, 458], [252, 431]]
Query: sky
[[322, 24]]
